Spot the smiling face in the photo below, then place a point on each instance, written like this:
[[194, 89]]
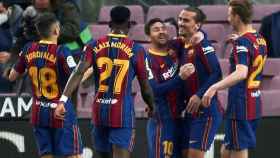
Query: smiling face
[[187, 24], [158, 34]]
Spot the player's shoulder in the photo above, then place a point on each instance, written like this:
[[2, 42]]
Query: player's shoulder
[[207, 46], [27, 47]]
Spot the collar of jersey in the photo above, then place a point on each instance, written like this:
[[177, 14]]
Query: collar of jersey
[[158, 53], [46, 42], [117, 35], [250, 31]]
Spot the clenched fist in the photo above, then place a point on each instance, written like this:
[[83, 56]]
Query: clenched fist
[[186, 70]]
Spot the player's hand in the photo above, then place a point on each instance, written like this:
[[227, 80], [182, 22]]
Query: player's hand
[[208, 95], [60, 111], [231, 38], [196, 38], [4, 57], [193, 104], [186, 71]]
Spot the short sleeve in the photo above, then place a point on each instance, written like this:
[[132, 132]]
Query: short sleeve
[[241, 52], [69, 61], [139, 61]]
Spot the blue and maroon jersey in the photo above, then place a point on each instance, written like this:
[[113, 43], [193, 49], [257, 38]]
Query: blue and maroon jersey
[[116, 60], [166, 84], [244, 99], [49, 67], [207, 72]]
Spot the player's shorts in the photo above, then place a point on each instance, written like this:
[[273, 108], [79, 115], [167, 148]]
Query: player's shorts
[[240, 134], [162, 139], [105, 137], [199, 133], [65, 141]]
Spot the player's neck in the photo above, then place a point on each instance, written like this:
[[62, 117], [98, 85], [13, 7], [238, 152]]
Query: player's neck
[[244, 28], [119, 31], [50, 39], [158, 48]]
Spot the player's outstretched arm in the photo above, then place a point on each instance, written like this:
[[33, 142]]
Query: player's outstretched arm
[[72, 84], [147, 93], [239, 74], [76, 77]]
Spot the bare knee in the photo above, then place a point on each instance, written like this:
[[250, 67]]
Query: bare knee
[[195, 153], [224, 152]]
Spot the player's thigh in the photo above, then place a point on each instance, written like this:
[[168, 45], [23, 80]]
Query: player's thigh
[[100, 139], [203, 130], [68, 141], [240, 134], [195, 153], [119, 152], [43, 139], [122, 138]]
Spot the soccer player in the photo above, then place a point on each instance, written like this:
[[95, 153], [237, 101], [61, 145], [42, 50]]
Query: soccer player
[[166, 82], [48, 66], [116, 60], [200, 123], [244, 97]]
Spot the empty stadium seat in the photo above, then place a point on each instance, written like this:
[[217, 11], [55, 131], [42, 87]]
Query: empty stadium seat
[[84, 101], [98, 31], [137, 33], [271, 67], [216, 32], [215, 13], [262, 10], [137, 14], [164, 11]]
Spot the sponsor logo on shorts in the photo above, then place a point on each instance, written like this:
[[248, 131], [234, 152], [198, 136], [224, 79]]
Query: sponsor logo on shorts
[[106, 101]]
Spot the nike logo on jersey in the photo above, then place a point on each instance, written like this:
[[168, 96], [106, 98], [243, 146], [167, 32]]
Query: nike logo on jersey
[[192, 141]]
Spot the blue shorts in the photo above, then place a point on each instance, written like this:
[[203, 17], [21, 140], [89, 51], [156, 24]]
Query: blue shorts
[[162, 138], [105, 137], [65, 141], [199, 133], [240, 134]]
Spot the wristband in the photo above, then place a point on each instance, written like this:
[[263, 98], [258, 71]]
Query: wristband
[[63, 98]]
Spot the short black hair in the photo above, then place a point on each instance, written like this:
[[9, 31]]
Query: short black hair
[[120, 15], [150, 23], [44, 22], [200, 16]]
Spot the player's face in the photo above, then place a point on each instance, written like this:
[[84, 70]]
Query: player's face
[[2, 8], [187, 24], [42, 4], [232, 18], [158, 33]]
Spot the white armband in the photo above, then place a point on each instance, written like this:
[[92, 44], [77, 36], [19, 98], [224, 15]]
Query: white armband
[[63, 98]]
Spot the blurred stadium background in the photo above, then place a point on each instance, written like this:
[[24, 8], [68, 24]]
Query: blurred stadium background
[[16, 140]]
